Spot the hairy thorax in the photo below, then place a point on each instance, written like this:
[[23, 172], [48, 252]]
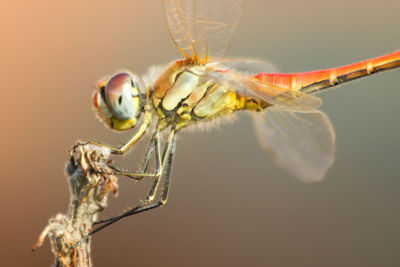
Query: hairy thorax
[[184, 95]]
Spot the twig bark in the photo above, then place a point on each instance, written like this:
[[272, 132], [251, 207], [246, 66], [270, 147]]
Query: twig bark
[[89, 185]]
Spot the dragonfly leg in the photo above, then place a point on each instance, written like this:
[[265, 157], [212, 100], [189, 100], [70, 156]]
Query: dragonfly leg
[[148, 204], [154, 141], [125, 147], [149, 152]]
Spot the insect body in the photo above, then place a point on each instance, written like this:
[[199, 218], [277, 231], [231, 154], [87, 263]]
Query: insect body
[[205, 86], [183, 96]]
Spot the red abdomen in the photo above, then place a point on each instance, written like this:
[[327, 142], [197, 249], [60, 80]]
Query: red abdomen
[[316, 80]]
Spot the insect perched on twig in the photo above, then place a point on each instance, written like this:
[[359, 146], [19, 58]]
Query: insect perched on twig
[[205, 86]]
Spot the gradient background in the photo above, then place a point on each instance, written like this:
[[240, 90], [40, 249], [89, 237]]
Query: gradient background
[[229, 204]]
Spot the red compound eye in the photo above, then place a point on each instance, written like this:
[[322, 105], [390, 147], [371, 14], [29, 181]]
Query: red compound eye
[[118, 96]]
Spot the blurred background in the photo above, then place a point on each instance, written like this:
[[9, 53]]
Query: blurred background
[[229, 204]]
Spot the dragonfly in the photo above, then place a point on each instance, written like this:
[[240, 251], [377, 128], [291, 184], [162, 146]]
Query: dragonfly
[[205, 87]]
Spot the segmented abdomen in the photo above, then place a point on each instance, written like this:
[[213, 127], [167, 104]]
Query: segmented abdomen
[[317, 80]]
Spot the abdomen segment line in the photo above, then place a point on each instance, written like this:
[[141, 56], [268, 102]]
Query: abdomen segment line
[[313, 81]]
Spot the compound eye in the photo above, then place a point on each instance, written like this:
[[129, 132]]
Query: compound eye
[[118, 96]]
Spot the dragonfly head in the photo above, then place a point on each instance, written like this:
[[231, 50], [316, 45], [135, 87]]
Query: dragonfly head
[[118, 100]]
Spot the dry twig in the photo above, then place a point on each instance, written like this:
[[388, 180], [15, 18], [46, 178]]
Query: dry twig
[[89, 187]]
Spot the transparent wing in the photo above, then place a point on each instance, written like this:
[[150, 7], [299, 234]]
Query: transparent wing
[[302, 143], [239, 75], [300, 137], [202, 29], [249, 67]]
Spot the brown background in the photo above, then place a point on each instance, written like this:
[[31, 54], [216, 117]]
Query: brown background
[[229, 204]]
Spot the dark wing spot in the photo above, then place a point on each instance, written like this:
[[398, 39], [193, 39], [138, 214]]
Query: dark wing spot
[[120, 100]]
